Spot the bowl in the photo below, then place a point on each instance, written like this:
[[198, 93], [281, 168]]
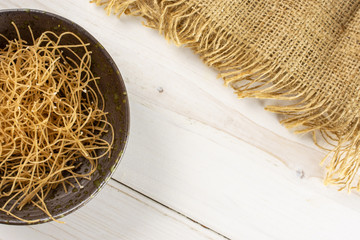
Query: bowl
[[111, 85]]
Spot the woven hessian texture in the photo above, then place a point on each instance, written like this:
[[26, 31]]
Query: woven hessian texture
[[304, 52]]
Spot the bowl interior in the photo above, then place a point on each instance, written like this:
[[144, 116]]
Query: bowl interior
[[111, 85]]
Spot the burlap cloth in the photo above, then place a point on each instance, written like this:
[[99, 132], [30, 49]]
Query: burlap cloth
[[304, 52]]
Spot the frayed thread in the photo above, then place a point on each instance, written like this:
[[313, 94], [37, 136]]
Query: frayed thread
[[251, 75]]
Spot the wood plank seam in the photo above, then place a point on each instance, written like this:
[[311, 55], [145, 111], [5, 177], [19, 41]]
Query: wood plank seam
[[171, 209]]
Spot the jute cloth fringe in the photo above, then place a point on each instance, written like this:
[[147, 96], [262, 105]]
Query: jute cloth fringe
[[304, 52]]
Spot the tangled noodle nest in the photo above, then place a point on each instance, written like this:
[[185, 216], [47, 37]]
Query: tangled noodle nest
[[51, 115]]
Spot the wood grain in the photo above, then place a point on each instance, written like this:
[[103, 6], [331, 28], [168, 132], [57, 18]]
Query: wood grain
[[197, 149]]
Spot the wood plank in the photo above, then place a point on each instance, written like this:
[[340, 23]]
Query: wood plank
[[116, 213], [224, 162]]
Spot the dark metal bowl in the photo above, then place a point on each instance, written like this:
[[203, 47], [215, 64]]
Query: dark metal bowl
[[112, 87]]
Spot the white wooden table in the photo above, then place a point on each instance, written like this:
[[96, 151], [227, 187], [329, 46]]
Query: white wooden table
[[200, 164]]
